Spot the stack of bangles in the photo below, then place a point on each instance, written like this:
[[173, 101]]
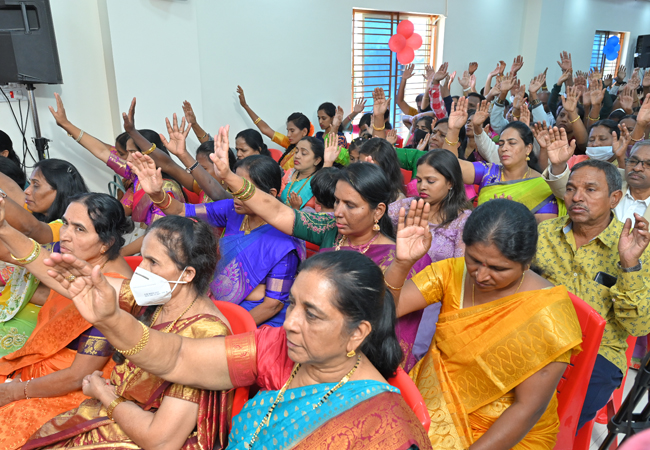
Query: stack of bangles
[[36, 250], [165, 202], [245, 192]]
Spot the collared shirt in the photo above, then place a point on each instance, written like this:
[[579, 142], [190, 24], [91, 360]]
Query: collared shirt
[[629, 205], [625, 306]]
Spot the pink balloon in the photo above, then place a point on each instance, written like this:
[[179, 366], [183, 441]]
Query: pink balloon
[[406, 56], [405, 28], [397, 42], [415, 41]]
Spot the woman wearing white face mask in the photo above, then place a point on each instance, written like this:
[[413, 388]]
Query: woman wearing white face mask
[[167, 293]]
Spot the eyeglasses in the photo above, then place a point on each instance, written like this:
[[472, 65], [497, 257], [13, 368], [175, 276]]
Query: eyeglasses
[[632, 162]]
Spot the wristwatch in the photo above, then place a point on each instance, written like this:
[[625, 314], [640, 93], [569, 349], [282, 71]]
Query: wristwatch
[[636, 268], [3, 194]]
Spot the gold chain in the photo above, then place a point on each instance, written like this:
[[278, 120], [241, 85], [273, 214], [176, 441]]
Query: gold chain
[[359, 248], [287, 201], [159, 309], [245, 225], [280, 397]]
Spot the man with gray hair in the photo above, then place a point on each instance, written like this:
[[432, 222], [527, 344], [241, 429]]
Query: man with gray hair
[[636, 184], [602, 261]]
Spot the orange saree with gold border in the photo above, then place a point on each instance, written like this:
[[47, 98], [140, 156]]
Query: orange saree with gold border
[[481, 353]]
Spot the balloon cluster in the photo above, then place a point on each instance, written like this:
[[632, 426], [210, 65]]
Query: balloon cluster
[[405, 42], [611, 48]]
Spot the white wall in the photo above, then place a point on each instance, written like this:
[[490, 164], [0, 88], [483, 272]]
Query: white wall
[[289, 55]]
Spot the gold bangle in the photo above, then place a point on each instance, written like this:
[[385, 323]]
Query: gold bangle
[[151, 149], [25, 389], [575, 120], [392, 287], [379, 129], [258, 120], [242, 189], [450, 143], [140, 345], [112, 406], [161, 201], [206, 133], [515, 117], [596, 119], [635, 140], [36, 250]]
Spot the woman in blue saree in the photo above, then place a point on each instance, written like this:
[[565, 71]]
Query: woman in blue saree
[[258, 263]]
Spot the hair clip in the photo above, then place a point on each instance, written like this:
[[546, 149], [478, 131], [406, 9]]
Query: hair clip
[[193, 219], [69, 169]]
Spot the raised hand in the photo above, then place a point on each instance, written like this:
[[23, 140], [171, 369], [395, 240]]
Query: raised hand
[[635, 81], [626, 98], [408, 71], [332, 149], [423, 145], [620, 74], [518, 101], [458, 116], [391, 136], [464, 81], [619, 144], [59, 114], [93, 296], [565, 61], [564, 77], [595, 74], [472, 82], [380, 102], [646, 79], [481, 115], [359, 105], [413, 238], [129, 119], [517, 64], [295, 200], [541, 133], [631, 245], [149, 177], [597, 91], [177, 136], [452, 77], [494, 92], [189, 113], [501, 65], [220, 155], [524, 114], [440, 74], [537, 83], [242, 98], [337, 120], [507, 83], [472, 67], [559, 150], [571, 102], [428, 73], [608, 80], [643, 115], [585, 94]]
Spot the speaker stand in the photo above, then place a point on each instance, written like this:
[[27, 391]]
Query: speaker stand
[[40, 142]]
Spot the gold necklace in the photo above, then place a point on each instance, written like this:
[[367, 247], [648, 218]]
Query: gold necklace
[[245, 225], [358, 248], [288, 201], [280, 397], [519, 287], [525, 175], [159, 309]]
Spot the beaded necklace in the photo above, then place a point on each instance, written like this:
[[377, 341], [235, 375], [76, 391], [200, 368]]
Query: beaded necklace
[[280, 397], [359, 248]]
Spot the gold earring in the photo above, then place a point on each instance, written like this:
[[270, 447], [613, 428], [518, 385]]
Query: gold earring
[[350, 354], [376, 227], [527, 158]]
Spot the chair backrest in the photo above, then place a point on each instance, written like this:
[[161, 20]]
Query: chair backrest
[[312, 249], [411, 396], [407, 175], [133, 261], [572, 388], [276, 154], [241, 321]]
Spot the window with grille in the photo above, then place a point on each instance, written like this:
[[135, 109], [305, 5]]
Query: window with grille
[[598, 60], [374, 65]]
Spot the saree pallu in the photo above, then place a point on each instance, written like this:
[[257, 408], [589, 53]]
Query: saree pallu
[[481, 353], [45, 352], [88, 425], [534, 193], [360, 414], [407, 326]]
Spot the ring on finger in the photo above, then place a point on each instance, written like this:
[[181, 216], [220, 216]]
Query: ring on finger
[[70, 278]]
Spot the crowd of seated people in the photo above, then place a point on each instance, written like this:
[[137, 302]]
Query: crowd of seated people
[[111, 332]]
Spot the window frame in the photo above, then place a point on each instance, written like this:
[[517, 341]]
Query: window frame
[[601, 55]]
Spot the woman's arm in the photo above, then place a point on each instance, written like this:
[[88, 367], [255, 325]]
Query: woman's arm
[[13, 191], [379, 107], [458, 119], [278, 286], [200, 133], [408, 73], [24, 222], [570, 104], [264, 128], [54, 384], [359, 105], [151, 182], [98, 148], [532, 397], [485, 146]]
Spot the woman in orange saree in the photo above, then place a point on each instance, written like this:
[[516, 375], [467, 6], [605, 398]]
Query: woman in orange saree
[[156, 413], [504, 335], [44, 377]]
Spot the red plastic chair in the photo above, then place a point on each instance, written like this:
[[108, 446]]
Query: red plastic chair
[[241, 321], [192, 197], [572, 388], [412, 396], [407, 175], [133, 261], [276, 154], [312, 249]]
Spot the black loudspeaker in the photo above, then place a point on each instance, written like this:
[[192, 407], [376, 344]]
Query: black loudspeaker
[[642, 53], [28, 51]]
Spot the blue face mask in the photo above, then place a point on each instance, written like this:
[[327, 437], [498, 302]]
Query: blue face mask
[[604, 153]]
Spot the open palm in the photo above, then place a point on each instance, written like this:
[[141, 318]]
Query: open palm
[[413, 238], [559, 150], [220, 155], [149, 177]]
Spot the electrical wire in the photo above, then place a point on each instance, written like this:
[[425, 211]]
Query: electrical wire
[[21, 128]]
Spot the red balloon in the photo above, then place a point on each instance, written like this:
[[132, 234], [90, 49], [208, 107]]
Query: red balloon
[[405, 28], [397, 42], [415, 41], [406, 56]]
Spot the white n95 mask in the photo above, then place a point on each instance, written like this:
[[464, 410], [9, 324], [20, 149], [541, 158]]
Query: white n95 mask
[[151, 289], [604, 153]]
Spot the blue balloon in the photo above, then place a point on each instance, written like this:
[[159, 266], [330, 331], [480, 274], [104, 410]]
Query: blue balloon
[[611, 48]]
